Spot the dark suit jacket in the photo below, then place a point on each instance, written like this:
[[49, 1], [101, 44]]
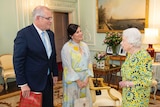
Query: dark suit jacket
[[30, 59]]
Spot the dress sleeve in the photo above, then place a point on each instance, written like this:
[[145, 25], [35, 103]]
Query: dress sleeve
[[69, 75]]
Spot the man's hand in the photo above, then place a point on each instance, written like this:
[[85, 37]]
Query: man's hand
[[25, 91], [55, 80]]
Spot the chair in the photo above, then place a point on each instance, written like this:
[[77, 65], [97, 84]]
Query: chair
[[6, 64], [154, 85], [109, 96]]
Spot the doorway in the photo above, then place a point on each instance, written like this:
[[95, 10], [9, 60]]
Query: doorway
[[60, 31]]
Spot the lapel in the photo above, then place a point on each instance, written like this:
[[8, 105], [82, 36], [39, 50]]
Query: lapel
[[38, 40]]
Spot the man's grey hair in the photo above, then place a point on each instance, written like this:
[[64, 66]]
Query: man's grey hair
[[39, 11], [134, 36]]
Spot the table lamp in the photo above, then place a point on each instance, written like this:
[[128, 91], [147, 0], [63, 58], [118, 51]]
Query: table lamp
[[150, 38]]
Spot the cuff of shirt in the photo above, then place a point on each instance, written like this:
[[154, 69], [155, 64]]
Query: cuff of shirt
[[22, 85]]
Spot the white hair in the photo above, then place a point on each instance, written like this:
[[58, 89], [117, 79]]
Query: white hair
[[134, 37]]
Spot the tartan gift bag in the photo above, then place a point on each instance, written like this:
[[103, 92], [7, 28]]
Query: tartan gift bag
[[34, 100]]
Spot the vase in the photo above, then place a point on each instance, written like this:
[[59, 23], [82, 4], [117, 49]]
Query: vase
[[100, 64], [107, 60], [114, 50]]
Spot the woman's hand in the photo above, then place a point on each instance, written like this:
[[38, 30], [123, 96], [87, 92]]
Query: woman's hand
[[126, 84], [122, 84], [86, 82], [80, 84]]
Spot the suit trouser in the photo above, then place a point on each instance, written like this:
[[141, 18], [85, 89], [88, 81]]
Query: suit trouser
[[47, 93]]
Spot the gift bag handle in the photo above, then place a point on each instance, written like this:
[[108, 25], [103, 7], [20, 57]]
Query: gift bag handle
[[78, 93]]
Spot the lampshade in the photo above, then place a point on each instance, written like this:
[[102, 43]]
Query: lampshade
[[151, 37]]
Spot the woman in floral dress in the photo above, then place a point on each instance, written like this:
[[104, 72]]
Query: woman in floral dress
[[136, 71], [77, 67]]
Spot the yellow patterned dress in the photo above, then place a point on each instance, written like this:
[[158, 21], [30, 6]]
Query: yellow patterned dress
[[76, 65], [138, 69]]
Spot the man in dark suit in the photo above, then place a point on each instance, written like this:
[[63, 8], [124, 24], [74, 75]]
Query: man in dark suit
[[34, 62]]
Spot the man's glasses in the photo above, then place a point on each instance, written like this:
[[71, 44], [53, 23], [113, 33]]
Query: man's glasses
[[47, 18]]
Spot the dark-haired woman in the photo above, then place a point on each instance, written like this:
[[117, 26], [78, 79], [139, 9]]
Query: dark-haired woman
[[77, 67]]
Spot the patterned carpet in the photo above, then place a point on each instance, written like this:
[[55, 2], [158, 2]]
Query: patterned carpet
[[12, 99], [58, 94]]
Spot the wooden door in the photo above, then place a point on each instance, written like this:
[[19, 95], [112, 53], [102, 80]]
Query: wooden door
[[60, 30]]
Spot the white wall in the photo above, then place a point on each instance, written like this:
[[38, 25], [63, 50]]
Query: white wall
[[8, 25]]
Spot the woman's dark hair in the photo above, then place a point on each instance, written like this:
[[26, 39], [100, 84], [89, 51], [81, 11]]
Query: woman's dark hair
[[72, 28]]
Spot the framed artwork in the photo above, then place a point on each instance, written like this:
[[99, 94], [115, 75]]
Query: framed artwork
[[122, 52], [117, 15], [109, 50], [157, 57]]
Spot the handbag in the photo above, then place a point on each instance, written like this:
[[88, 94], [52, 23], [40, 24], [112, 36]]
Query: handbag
[[34, 100], [81, 102]]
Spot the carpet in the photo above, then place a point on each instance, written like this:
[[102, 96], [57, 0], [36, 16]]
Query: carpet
[[12, 99], [58, 94]]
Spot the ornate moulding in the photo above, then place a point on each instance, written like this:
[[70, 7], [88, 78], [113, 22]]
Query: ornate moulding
[[74, 1], [66, 7], [24, 9]]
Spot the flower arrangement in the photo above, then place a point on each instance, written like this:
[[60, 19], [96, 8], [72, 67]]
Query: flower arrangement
[[113, 39], [100, 56]]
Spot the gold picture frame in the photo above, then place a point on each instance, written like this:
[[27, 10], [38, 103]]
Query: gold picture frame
[[157, 57], [113, 15]]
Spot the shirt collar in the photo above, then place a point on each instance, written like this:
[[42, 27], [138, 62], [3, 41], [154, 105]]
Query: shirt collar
[[38, 30]]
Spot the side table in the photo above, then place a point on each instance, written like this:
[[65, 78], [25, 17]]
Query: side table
[[107, 73]]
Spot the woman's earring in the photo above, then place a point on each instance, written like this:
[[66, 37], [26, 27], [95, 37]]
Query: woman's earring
[[70, 36]]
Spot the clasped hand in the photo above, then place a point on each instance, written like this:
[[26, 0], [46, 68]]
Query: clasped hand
[[82, 84], [125, 84]]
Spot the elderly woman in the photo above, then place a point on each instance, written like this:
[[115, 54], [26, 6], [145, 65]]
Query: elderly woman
[[136, 71]]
